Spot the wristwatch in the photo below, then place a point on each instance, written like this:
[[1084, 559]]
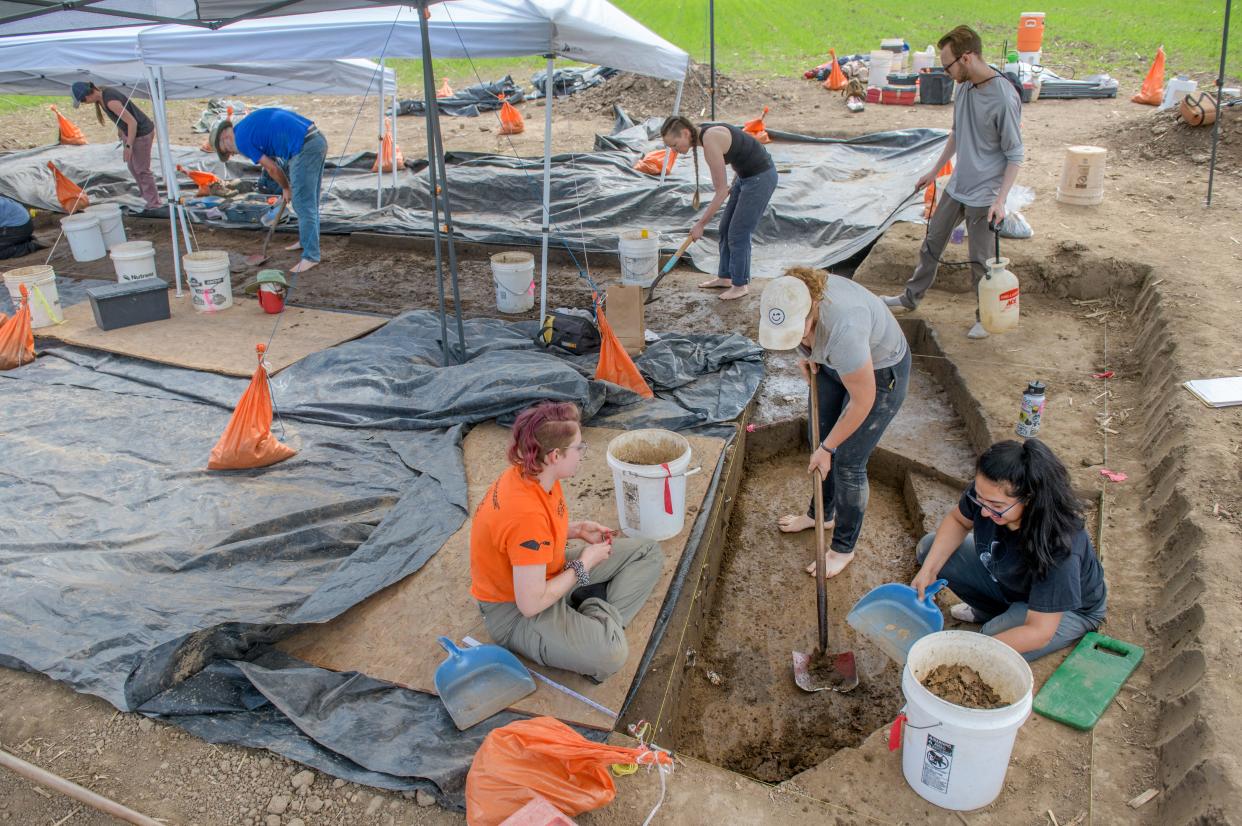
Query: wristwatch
[[831, 451], [580, 571]]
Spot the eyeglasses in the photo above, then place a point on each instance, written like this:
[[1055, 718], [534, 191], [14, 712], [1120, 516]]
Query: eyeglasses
[[970, 494], [581, 447], [954, 63]]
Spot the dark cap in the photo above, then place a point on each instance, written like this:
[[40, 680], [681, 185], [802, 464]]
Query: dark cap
[[80, 90]]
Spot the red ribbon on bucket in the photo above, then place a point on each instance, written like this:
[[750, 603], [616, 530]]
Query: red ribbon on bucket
[[668, 490], [894, 732]]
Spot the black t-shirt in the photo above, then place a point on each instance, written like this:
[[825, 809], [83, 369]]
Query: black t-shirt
[[746, 155], [145, 126], [1076, 584]]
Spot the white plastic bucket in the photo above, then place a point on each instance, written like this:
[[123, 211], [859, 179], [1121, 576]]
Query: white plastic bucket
[[207, 273], [923, 60], [111, 225], [133, 260], [651, 498], [639, 250], [957, 757], [86, 242], [1082, 176], [1175, 90], [40, 278], [514, 275], [881, 63]]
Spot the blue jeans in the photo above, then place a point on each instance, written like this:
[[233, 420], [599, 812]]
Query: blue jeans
[[305, 178], [975, 586], [747, 201], [845, 489]]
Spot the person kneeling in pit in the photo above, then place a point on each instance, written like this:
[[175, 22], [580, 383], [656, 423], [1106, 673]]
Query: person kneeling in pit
[[561, 608], [1016, 551]]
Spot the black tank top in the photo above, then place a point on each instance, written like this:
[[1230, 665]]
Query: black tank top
[[145, 126], [746, 155]]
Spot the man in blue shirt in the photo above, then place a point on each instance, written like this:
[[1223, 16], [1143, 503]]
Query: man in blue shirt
[[269, 136], [16, 230]]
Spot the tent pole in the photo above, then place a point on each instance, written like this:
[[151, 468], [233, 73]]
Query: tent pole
[[432, 184], [379, 164], [170, 179], [1220, 86], [711, 34], [394, 139], [548, 94], [681, 85]]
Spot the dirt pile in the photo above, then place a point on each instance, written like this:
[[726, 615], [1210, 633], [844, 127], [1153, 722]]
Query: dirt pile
[[962, 686], [1164, 136], [644, 97]]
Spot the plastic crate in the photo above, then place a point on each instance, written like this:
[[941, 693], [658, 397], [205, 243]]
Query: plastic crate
[[935, 88]]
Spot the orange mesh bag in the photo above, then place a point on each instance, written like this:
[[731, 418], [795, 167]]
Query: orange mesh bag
[[386, 150], [511, 122], [70, 134], [70, 195], [543, 757], [203, 180], [836, 80], [16, 337], [1152, 92], [756, 128], [615, 365], [653, 161], [248, 441], [445, 91]]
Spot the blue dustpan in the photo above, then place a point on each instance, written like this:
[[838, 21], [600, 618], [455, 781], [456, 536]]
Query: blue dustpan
[[478, 682], [892, 617]]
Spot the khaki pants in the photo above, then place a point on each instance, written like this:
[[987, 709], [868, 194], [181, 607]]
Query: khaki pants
[[589, 639]]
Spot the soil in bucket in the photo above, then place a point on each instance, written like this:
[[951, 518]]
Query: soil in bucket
[[962, 686], [649, 452]]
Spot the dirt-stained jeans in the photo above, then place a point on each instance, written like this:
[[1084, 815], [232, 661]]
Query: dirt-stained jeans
[[980, 244], [846, 489]]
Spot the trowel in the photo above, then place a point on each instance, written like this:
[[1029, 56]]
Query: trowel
[[820, 670], [255, 259]]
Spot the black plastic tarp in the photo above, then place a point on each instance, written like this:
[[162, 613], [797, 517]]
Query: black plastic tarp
[[126, 567], [470, 101], [834, 197]]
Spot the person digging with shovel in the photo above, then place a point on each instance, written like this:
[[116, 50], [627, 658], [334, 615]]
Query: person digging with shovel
[[748, 196], [268, 136], [855, 350], [557, 607]]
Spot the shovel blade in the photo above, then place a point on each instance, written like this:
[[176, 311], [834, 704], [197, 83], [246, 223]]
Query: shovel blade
[[832, 672], [255, 259]]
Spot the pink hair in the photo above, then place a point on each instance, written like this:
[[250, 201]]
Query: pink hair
[[539, 430]]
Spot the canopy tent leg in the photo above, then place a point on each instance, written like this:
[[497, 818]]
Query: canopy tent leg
[[438, 183], [379, 152], [711, 34], [393, 199], [171, 193], [548, 89], [676, 108], [1220, 88]]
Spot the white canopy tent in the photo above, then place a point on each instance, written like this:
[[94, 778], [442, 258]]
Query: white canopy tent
[[591, 31], [48, 64]]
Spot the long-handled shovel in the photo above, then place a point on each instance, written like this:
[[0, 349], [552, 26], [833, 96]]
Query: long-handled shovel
[[255, 259], [668, 267], [822, 671]]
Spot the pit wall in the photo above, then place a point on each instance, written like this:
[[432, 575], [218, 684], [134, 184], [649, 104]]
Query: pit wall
[[1194, 623]]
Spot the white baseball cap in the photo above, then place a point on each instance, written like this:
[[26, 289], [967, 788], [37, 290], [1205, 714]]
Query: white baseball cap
[[783, 309]]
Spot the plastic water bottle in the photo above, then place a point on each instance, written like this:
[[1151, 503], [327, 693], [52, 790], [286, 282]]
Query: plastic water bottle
[[1032, 412]]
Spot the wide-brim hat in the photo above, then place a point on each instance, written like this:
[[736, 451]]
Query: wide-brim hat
[[265, 277], [216, 130]]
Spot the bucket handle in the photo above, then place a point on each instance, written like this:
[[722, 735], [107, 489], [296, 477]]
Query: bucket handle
[[692, 471], [47, 308], [902, 722]]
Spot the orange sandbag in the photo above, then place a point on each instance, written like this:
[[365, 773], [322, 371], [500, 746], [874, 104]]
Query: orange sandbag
[[70, 195], [70, 134], [248, 441], [203, 180], [755, 127], [544, 757], [653, 161], [445, 91], [836, 80], [1152, 92], [615, 365], [511, 122], [16, 337], [386, 150]]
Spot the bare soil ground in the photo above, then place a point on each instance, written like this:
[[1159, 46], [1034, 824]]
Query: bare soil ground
[[1172, 529]]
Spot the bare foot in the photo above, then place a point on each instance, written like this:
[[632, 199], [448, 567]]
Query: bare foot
[[304, 265], [836, 564], [296, 245], [798, 522], [734, 292], [716, 284]]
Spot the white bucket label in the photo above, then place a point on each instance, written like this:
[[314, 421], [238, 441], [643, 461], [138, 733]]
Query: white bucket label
[[937, 763], [629, 492]]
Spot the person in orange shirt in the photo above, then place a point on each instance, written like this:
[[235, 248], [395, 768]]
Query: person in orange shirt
[[557, 607]]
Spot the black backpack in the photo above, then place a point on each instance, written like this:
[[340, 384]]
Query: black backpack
[[571, 332]]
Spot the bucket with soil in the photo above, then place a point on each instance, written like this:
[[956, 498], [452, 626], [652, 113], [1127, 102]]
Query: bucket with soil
[[967, 695], [649, 470]]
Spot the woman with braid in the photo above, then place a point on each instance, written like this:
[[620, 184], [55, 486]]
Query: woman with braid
[[748, 196], [133, 127]]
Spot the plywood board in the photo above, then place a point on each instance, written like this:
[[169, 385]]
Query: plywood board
[[221, 342], [392, 635]]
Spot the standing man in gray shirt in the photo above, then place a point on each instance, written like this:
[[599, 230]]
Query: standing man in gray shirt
[[988, 143]]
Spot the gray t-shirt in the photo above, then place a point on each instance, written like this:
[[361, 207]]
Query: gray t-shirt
[[853, 325], [986, 121]]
